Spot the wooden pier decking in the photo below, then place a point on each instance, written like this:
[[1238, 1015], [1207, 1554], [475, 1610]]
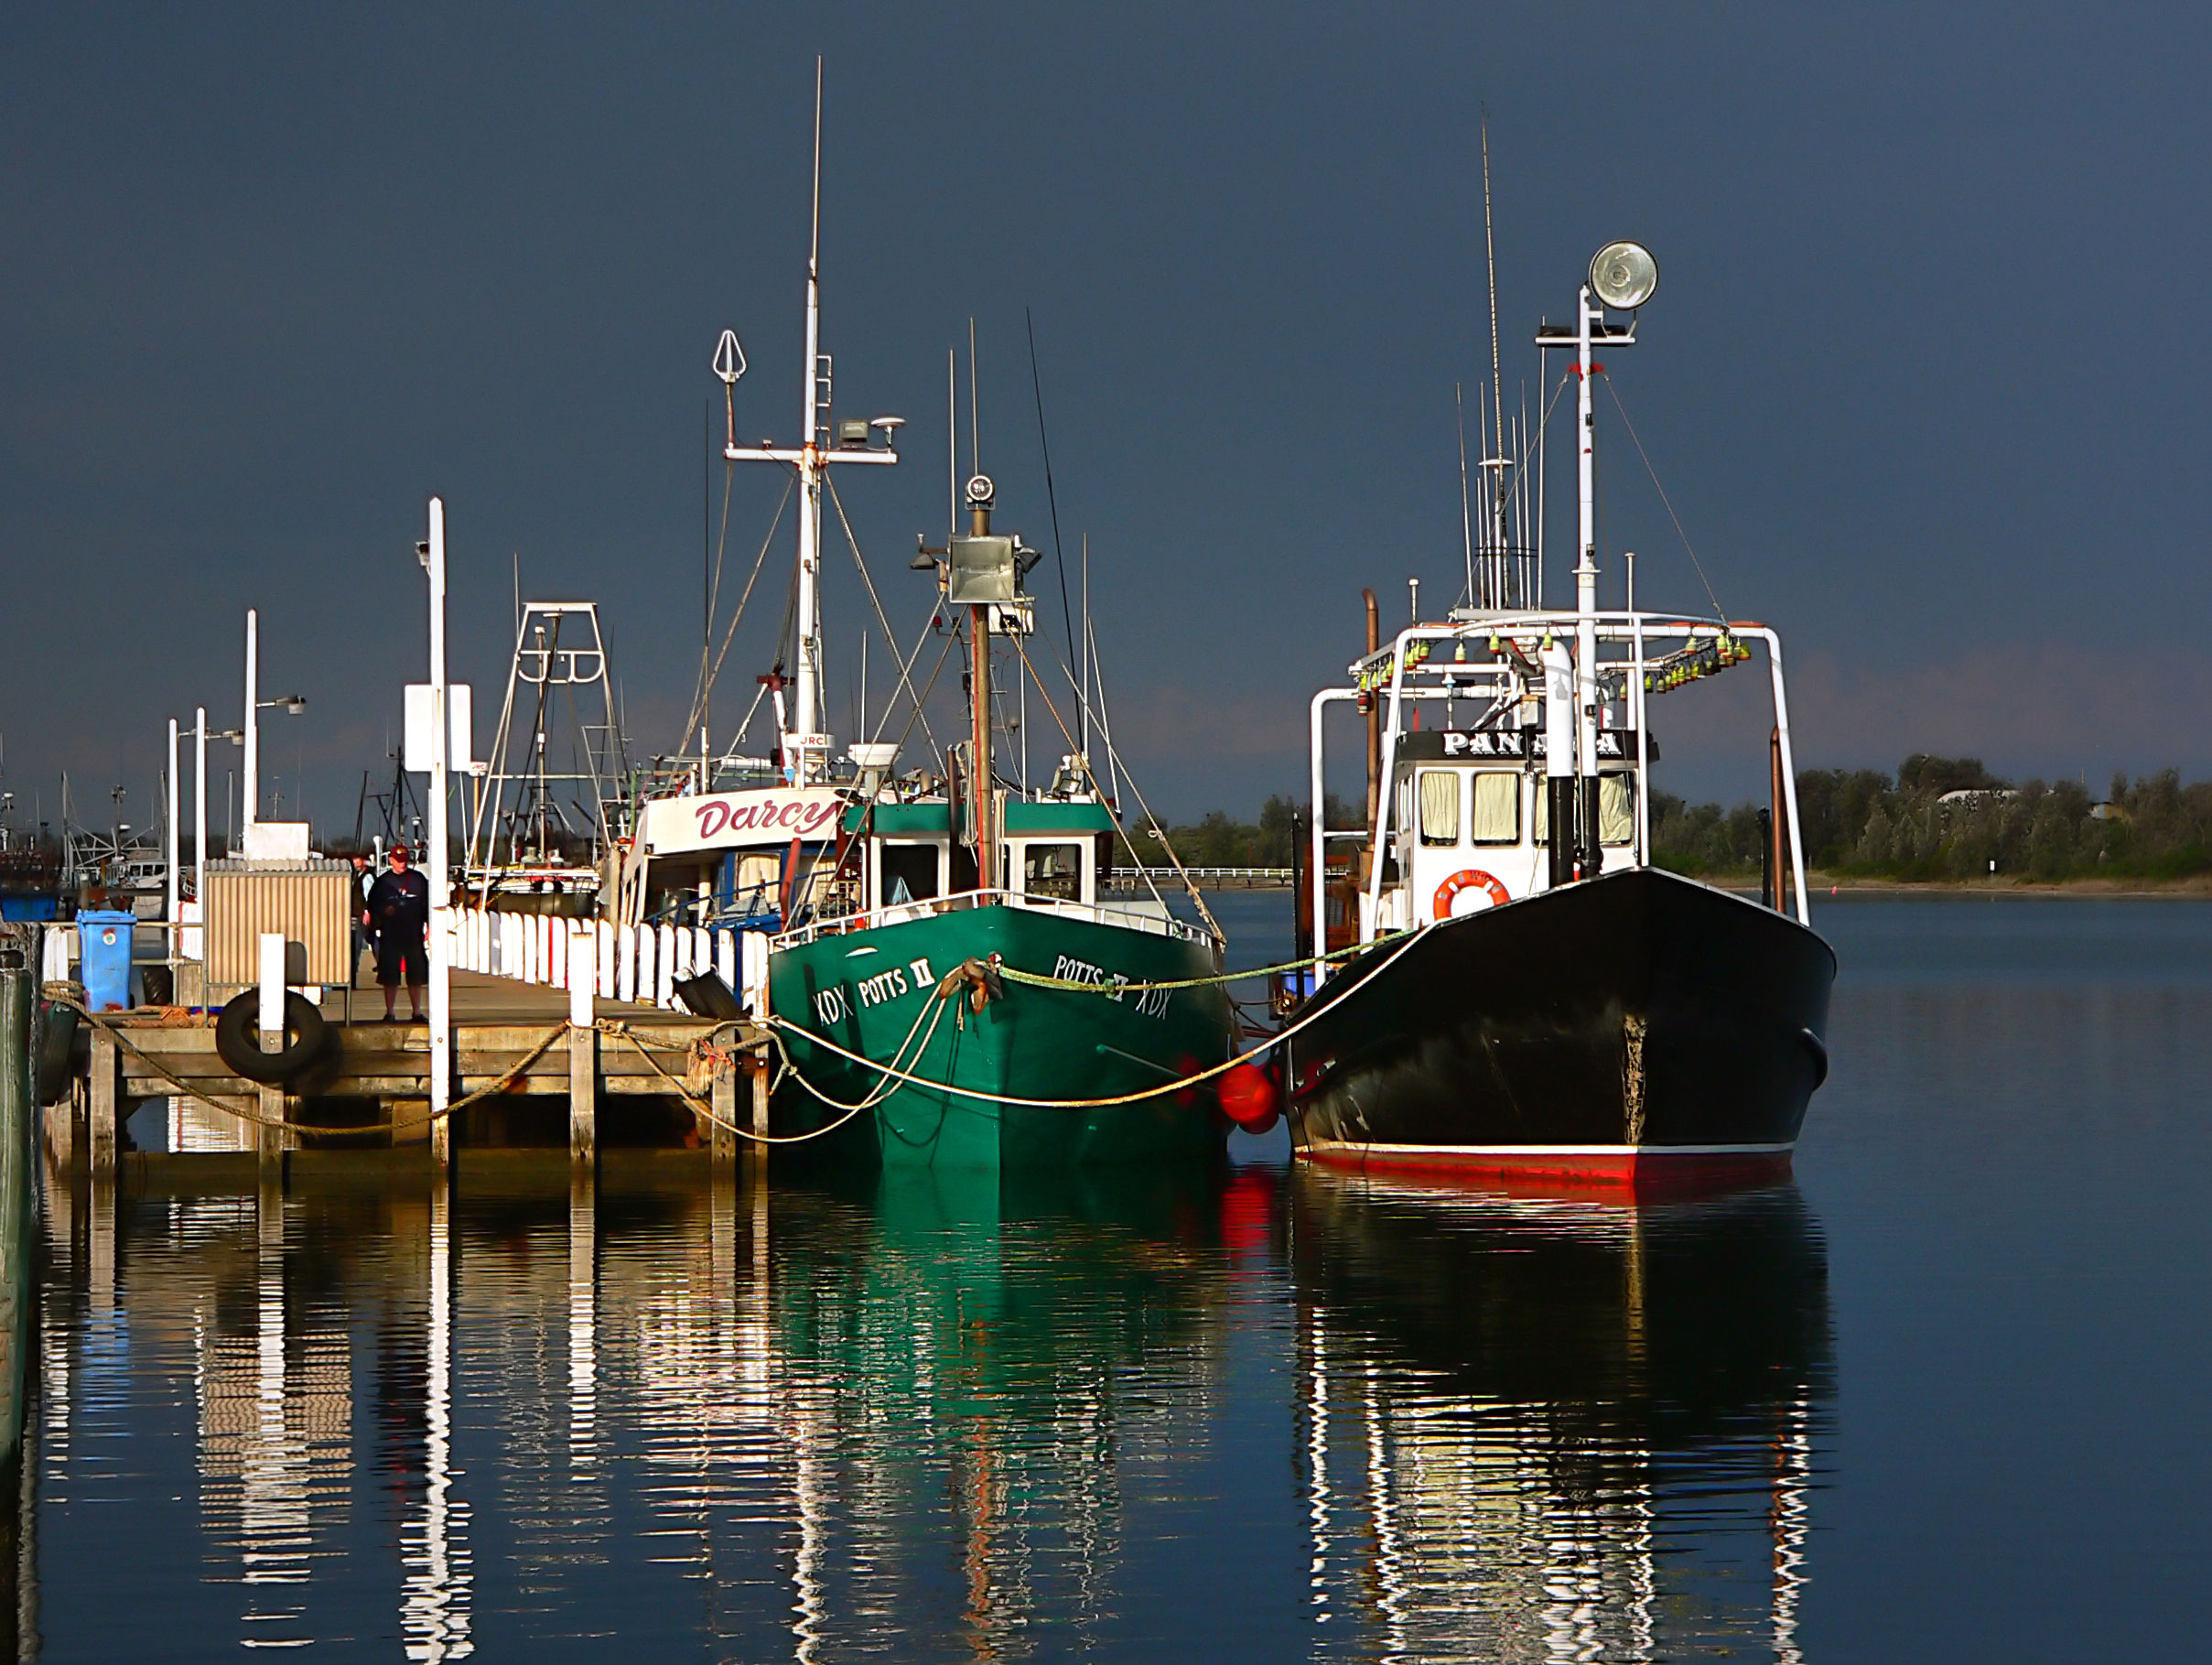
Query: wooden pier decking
[[369, 1090]]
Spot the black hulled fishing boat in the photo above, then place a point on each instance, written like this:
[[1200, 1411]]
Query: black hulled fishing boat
[[1521, 991]]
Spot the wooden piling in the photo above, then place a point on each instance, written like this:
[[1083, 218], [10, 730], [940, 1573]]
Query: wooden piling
[[583, 1097], [756, 1067], [106, 1086], [269, 1136], [583, 1049], [722, 1143]]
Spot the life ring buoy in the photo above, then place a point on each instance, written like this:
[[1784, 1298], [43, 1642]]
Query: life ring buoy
[[1448, 904]]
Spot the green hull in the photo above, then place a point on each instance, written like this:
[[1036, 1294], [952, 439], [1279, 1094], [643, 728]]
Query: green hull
[[866, 989]]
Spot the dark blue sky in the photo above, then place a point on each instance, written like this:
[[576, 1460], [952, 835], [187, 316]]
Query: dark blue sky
[[1919, 379]]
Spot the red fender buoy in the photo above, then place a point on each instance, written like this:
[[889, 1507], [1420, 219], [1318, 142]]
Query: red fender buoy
[[1250, 1098]]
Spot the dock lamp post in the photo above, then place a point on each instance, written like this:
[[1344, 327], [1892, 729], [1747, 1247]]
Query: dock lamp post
[[431, 552], [293, 703]]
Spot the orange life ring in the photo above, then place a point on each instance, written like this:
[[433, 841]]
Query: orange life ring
[[1468, 878]]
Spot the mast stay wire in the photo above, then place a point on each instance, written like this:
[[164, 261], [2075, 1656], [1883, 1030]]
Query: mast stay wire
[[889, 635], [1084, 762], [714, 581], [791, 479], [1059, 559], [1718, 612]]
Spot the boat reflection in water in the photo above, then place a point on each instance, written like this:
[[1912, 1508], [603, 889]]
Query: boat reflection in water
[[1543, 1428], [1108, 1418]]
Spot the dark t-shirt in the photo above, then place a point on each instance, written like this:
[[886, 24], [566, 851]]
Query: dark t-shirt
[[399, 905]]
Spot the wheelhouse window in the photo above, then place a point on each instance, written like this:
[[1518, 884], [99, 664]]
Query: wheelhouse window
[[1616, 810], [1052, 870], [910, 873], [1440, 807], [1497, 807]]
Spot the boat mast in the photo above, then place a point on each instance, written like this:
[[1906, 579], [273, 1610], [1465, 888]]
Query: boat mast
[[981, 800], [805, 747], [1586, 593], [812, 761]]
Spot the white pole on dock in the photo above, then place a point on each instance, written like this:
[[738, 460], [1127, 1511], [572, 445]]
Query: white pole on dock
[[441, 913], [174, 852], [199, 808], [252, 805]]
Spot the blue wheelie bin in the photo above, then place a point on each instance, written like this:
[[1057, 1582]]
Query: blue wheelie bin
[[103, 947]]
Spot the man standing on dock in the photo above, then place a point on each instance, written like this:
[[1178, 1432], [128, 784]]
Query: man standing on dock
[[364, 930], [399, 907]]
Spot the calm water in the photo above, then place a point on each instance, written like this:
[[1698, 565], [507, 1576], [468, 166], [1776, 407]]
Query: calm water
[[1940, 1400]]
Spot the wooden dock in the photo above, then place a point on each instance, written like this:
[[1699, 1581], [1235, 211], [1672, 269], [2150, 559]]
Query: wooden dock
[[641, 1073]]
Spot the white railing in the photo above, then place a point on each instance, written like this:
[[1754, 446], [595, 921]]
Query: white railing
[[1101, 913], [627, 962], [1135, 878], [643, 963]]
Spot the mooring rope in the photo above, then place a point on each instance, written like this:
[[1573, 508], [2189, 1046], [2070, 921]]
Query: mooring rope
[[163, 1073], [1176, 1086], [1037, 980]]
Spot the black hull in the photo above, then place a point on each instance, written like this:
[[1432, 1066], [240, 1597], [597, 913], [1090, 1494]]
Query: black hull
[[1638, 1027]]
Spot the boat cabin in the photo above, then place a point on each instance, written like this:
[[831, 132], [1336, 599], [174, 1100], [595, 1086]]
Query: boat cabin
[[1470, 829], [1052, 851]]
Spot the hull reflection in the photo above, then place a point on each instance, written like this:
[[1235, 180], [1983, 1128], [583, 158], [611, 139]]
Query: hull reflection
[[1545, 1429]]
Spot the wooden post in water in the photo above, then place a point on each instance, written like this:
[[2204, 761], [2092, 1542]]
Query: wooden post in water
[[106, 1085], [18, 1096], [756, 1067], [722, 1136], [274, 992], [583, 1052]]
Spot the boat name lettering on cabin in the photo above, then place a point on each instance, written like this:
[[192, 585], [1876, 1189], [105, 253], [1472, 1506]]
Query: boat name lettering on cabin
[[798, 817], [1487, 743], [761, 817], [1615, 745]]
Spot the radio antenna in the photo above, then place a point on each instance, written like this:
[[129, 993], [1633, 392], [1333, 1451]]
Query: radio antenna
[[1459, 405], [1490, 248]]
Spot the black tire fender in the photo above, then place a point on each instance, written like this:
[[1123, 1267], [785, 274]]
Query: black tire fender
[[238, 1037], [57, 1040]]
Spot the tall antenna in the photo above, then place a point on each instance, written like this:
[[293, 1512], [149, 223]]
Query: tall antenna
[[975, 434], [1459, 405], [813, 245], [952, 445], [1490, 248]]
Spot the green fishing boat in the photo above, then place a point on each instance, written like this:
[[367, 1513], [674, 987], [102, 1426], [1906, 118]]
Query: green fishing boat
[[999, 1072], [950, 977]]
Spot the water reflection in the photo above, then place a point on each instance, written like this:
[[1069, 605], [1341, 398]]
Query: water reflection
[[946, 1421], [1551, 1428]]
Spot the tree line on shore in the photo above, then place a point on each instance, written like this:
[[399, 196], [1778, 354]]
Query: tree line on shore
[[1936, 819]]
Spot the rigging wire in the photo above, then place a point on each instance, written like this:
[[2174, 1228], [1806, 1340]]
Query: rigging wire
[[876, 601], [791, 479], [1189, 884], [1059, 557], [1718, 612]]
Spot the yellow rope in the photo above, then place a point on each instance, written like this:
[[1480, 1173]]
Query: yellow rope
[[1037, 980], [162, 1073], [934, 1011], [1177, 1085]]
